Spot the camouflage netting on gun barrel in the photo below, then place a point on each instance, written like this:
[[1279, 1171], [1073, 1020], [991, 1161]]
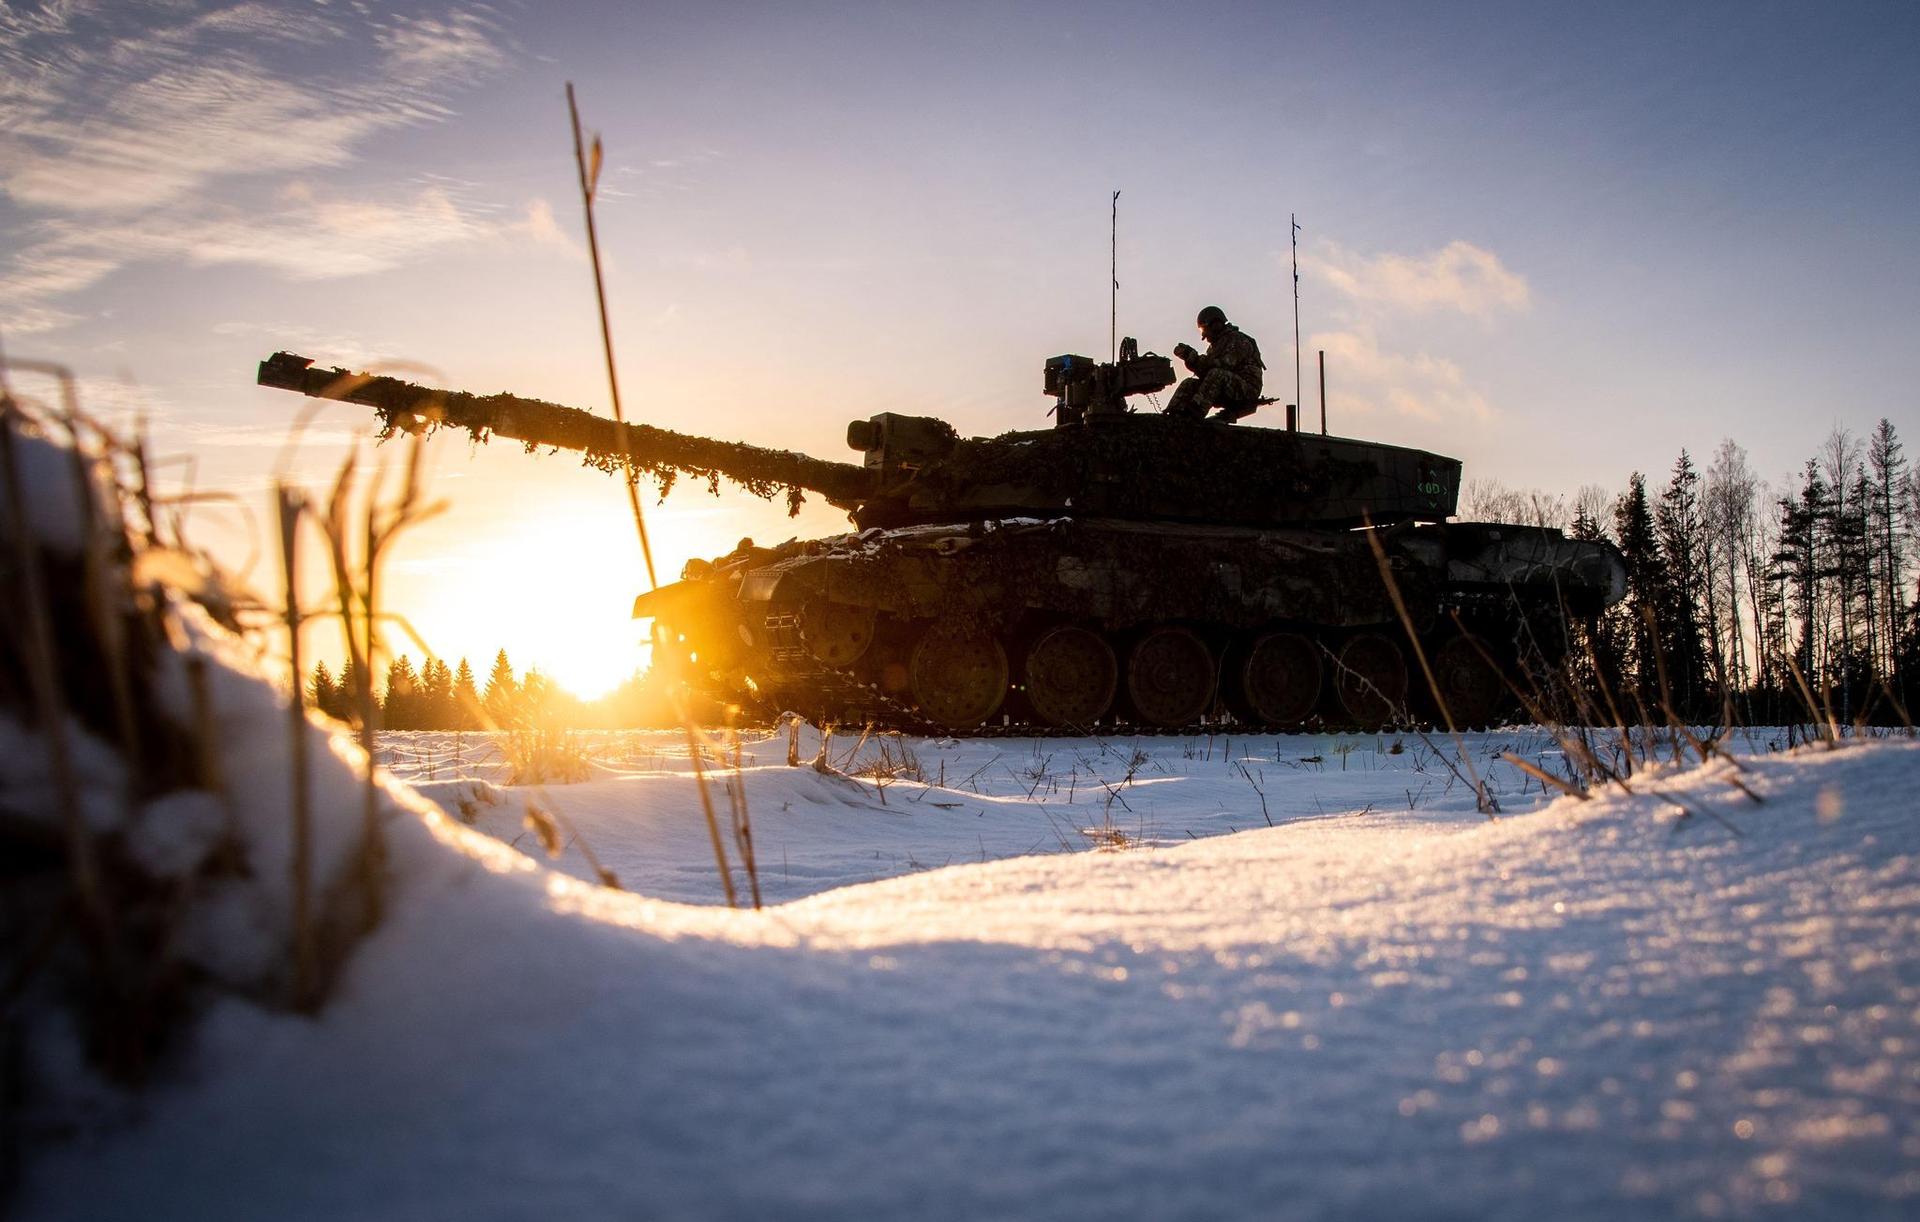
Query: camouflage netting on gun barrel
[[603, 444]]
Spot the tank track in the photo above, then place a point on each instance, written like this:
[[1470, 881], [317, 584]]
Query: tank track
[[865, 704]]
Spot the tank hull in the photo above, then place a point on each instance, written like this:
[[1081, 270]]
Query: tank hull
[[1082, 622]]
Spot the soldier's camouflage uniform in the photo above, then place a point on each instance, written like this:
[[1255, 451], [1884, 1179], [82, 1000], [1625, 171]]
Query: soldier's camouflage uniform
[[1228, 375]]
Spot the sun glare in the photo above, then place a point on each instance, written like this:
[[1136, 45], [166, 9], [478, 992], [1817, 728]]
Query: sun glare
[[556, 592], [554, 586]]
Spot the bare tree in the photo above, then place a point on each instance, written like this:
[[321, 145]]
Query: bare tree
[[1729, 496], [1840, 464], [1593, 504], [1489, 500]]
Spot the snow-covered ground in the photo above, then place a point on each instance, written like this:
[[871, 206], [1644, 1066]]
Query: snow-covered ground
[[1086, 978], [893, 805]]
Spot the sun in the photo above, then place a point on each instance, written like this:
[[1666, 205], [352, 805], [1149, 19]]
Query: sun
[[555, 591], [541, 558]]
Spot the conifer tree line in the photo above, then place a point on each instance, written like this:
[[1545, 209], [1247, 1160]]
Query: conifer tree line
[[436, 697], [1735, 585]]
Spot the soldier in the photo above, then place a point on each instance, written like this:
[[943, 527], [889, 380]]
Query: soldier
[[1226, 377]]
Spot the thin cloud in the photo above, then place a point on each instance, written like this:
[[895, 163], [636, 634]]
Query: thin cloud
[[463, 43], [303, 235], [101, 120], [1459, 276], [134, 133], [1370, 379], [539, 227], [1399, 294]]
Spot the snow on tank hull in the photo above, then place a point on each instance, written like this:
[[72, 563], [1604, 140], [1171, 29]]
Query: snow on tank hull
[[1074, 623]]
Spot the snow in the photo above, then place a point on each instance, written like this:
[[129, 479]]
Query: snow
[[982, 799], [54, 489], [1164, 977], [1590, 1009]]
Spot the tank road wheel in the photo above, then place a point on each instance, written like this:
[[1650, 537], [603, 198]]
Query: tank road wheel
[[957, 678], [1170, 677], [1469, 684], [1370, 679], [1280, 679], [1071, 676], [836, 634]]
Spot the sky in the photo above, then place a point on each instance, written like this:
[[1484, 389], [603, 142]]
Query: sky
[[1557, 242]]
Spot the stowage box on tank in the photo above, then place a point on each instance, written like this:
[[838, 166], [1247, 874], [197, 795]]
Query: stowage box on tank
[[1120, 567]]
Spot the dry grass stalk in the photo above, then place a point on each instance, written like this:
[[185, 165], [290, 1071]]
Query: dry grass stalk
[[589, 185], [1828, 727], [43, 678], [706, 800], [101, 546], [288, 505], [73, 614], [1899, 707], [357, 596], [1483, 798], [737, 802], [1544, 777]]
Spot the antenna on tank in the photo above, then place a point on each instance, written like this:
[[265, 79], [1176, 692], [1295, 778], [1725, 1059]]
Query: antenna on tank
[[1113, 282], [1294, 221], [1323, 392]]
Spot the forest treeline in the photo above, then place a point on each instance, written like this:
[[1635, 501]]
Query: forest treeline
[[435, 696], [1756, 599]]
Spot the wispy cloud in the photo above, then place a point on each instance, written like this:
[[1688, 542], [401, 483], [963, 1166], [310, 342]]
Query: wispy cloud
[[540, 227], [1371, 378], [147, 131], [1459, 276], [1398, 295]]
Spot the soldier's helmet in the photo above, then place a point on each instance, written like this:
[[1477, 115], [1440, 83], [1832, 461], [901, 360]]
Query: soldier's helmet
[[1212, 316]]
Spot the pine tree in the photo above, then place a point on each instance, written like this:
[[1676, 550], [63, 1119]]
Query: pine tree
[[321, 693], [466, 700], [1798, 561], [1889, 531], [502, 697], [1906, 661], [436, 696], [1681, 530], [1584, 527], [346, 697], [1639, 545], [401, 710], [537, 697]]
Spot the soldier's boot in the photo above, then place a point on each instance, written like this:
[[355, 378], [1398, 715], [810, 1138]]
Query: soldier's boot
[[1186, 402]]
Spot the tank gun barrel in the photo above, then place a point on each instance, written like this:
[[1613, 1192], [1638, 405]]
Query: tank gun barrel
[[606, 444]]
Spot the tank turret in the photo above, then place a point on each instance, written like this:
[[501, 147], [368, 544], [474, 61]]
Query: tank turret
[[1118, 568], [1099, 459]]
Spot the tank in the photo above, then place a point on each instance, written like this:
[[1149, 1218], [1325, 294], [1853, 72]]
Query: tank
[[1119, 568]]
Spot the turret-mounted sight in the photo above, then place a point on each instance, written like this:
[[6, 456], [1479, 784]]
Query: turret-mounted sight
[[1082, 387]]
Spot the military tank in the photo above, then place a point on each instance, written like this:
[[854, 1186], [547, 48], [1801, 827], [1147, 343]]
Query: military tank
[[1119, 568]]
